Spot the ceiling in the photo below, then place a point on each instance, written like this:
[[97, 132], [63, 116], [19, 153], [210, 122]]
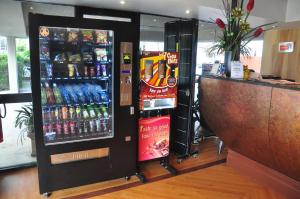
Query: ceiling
[[200, 9]]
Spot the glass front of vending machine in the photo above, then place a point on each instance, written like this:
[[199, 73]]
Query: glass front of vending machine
[[83, 84], [76, 84]]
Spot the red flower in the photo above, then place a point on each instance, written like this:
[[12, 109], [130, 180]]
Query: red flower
[[220, 23], [258, 32], [250, 5]]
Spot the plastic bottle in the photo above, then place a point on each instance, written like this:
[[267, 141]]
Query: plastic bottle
[[49, 94], [43, 95], [91, 111], [104, 111], [57, 94]]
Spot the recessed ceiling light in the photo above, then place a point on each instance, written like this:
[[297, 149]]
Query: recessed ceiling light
[[31, 8], [155, 20], [122, 2], [187, 12]]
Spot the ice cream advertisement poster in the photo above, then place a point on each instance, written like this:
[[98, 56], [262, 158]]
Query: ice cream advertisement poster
[[154, 137], [158, 80]]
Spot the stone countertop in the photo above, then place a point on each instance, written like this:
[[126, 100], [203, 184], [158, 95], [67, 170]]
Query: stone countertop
[[264, 82]]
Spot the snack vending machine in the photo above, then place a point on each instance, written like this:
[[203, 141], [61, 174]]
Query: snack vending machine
[[83, 108], [158, 96]]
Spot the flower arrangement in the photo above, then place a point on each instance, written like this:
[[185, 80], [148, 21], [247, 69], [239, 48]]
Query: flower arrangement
[[236, 32]]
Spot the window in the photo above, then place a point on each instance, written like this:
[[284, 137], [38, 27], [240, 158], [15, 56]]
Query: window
[[23, 64], [4, 77], [254, 61]]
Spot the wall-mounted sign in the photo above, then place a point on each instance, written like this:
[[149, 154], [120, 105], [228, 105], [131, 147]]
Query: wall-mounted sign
[[286, 47]]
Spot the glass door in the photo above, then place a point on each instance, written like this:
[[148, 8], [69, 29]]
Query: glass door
[[76, 84]]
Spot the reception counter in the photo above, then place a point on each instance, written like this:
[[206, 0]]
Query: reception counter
[[258, 120]]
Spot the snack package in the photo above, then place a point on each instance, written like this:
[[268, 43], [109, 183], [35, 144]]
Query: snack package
[[101, 36], [44, 32], [60, 58], [101, 54], [44, 52], [87, 57], [73, 35], [87, 35], [74, 57], [59, 34]]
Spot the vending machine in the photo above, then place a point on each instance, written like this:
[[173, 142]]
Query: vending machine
[[157, 98], [83, 94]]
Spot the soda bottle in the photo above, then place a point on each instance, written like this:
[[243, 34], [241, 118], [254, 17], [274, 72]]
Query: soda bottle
[[98, 125], [49, 94], [71, 70], [85, 113], [91, 111], [43, 95], [59, 129], [52, 114], [58, 115], [79, 127], [92, 71], [104, 112], [85, 126], [45, 128], [97, 111], [98, 67], [78, 112], [72, 112], [46, 114], [103, 69], [66, 129], [65, 112], [92, 126], [57, 94], [76, 70], [72, 128], [104, 126], [86, 71]]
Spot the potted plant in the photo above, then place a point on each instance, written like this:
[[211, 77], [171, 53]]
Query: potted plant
[[24, 121], [236, 32]]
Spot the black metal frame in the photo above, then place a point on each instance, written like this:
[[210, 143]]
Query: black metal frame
[[182, 36], [120, 162]]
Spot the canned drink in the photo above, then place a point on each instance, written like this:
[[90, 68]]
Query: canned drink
[[64, 112], [72, 128], [72, 112], [66, 128]]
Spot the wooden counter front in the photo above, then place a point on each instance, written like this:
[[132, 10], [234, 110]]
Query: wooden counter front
[[259, 121]]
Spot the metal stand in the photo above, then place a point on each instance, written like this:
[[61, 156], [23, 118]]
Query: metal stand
[[166, 164]]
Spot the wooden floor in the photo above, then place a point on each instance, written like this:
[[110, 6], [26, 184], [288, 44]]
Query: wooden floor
[[217, 182], [210, 182]]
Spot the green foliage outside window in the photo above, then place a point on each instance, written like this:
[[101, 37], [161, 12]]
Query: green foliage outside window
[[4, 81]]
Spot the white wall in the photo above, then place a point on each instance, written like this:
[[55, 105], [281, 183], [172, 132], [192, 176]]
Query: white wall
[[293, 10], [11, 19]]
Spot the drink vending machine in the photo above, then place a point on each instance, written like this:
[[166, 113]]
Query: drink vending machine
[[83, 100], [158, 95]]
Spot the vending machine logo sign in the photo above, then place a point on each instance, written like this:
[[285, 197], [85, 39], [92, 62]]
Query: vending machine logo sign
[[154, 137], [159, 77]]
